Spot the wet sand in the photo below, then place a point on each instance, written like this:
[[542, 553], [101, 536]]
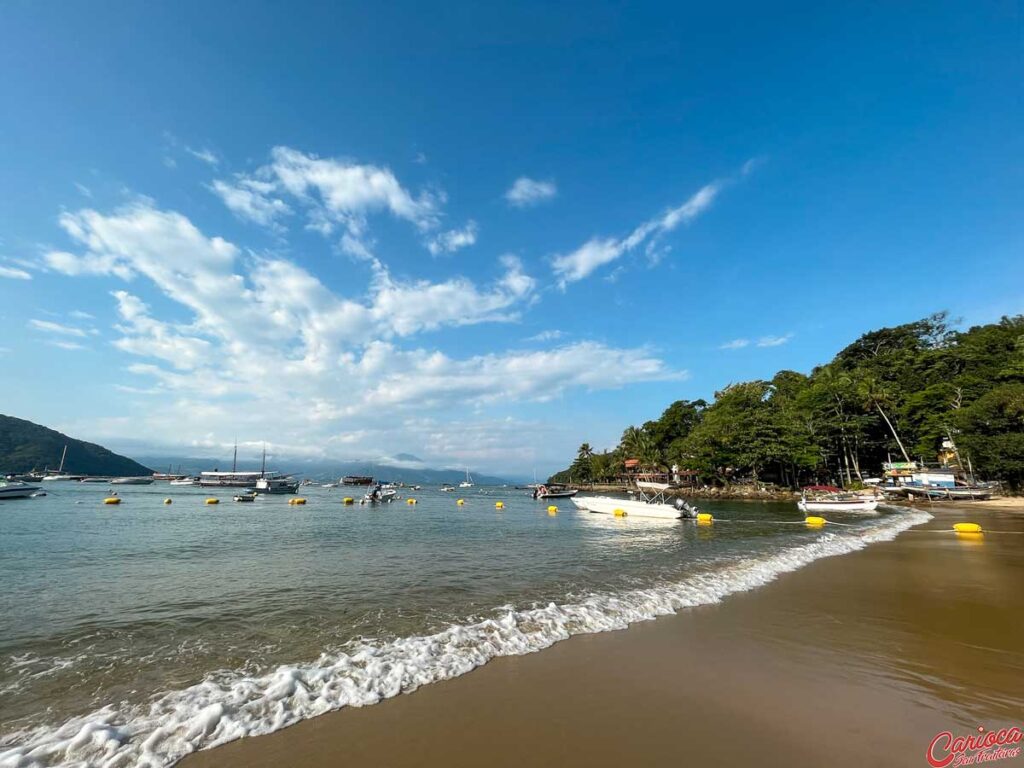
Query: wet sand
[[852, 660]]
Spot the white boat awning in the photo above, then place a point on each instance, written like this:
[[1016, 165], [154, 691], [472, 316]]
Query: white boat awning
[[652, 486]]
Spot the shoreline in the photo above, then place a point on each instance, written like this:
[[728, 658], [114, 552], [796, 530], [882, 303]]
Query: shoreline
[[860, 657]]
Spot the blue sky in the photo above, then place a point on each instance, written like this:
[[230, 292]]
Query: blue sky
[[481, 234]]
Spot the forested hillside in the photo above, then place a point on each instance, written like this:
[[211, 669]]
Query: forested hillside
[[25, 446], [894, 392]]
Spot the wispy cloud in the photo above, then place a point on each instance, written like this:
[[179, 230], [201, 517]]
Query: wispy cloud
[[598, 251], [13, 273], [526, 192], [69, 345], [204, 154], [453, 240], [774, 341], [552, 335], [736, 344], [764, 341], [48, 326]]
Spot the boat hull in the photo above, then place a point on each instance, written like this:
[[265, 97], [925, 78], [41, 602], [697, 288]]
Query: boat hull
[[557, 494], [852, 505], [606, 505], [21, 491]]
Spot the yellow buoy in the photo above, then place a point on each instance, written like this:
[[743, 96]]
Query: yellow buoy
[[112, 500], [348, 500], [167, 501], [705, 517], [299, 500], [410, 501], [552, 510], [499, 505], [213, 501], [814, 522], [460, 502], [966, 527], [620, 513]]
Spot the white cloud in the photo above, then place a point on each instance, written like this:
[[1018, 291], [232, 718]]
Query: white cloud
[[526, 192], [14, 274], [204, 154], [598, 251], [774, 341], [69, 345], [552, 335], [736, 344], [48, 326], [453, 240], [83, 190], [80, 315], [254, 335], [247, 201], [333, 191]]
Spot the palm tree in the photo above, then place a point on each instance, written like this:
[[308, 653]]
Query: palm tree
[[874, 395]]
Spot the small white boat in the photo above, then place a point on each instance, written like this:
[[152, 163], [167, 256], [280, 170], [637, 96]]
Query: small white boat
[[16, 489], [447, 487], [468, 482], [554, 491], [185, 481], [246, 497], [132, 481], [652, 503], [837, 502], [381, 494]]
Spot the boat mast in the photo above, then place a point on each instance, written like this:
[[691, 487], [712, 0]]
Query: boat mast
[[60, 470], [263, 466], [234, 461]]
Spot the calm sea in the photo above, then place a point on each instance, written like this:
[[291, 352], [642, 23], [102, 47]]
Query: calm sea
[[137, 633]]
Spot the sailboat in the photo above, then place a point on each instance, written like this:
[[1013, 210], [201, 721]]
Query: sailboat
[[468, 482], [59, 474]]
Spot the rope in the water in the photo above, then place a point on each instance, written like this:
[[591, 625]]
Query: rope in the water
[[953, 530], [779, 522]]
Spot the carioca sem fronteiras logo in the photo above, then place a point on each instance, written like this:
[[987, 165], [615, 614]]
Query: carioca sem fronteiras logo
[[949, 751]]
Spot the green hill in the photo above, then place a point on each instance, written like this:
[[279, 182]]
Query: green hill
[[25, 446]]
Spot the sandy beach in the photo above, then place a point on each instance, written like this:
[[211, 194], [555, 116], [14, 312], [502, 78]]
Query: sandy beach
[[852, 660]]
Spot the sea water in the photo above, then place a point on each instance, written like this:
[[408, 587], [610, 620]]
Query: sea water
[[137, 633]]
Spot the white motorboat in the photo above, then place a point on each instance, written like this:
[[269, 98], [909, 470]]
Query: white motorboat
[[652, 503], [273, 483], [132, 481], [837, 502], [381, 494], [185, 481], [554, 491], [16, 489]]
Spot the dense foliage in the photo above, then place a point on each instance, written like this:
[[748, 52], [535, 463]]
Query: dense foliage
[[896, 392], [25, 446]]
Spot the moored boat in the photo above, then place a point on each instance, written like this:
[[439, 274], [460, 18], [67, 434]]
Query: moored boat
[[132, 481], [356, 480], [16, 489], [830, 499], [554, 491], [652, 503]]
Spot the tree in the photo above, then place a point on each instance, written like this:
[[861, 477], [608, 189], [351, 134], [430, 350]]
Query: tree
[[992, 433]]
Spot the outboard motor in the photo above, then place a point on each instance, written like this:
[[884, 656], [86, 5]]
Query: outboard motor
[[687, 511]]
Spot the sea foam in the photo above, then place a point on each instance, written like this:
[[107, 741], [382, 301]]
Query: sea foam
[[230, 705]]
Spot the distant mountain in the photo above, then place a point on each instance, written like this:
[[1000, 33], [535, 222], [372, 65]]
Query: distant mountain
[[25, 446], [328, 471]]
